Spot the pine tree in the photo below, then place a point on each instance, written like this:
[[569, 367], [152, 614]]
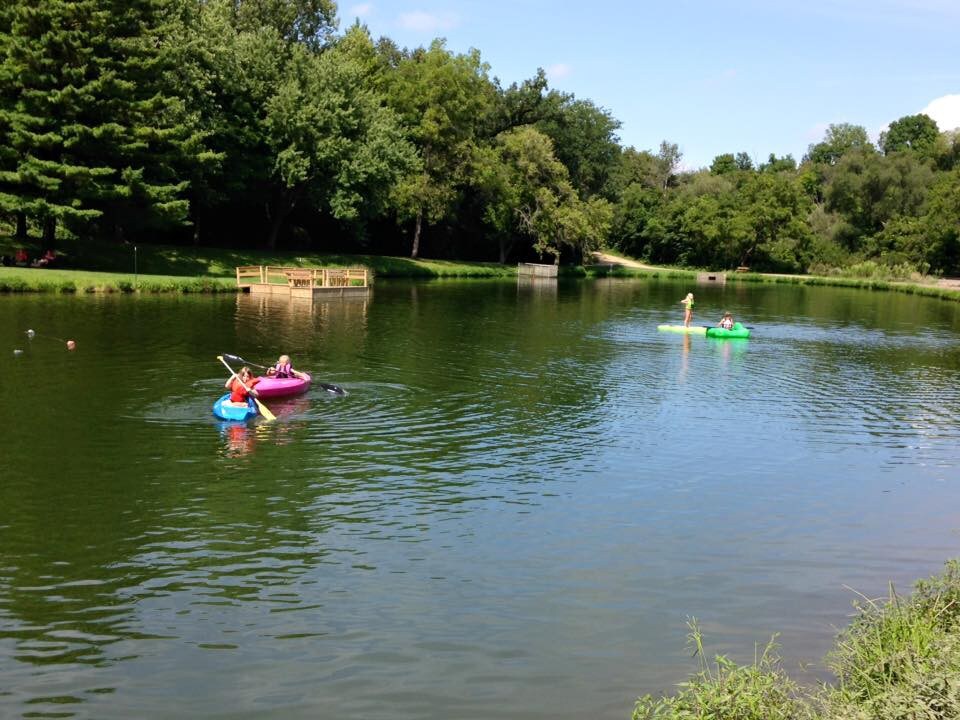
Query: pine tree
[[97, 138]]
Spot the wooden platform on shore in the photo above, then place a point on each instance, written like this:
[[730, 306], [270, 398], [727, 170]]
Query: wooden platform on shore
[[298, 282], [706, 278], [537, 270]]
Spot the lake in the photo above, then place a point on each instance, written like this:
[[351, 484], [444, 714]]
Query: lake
[[523, 497]]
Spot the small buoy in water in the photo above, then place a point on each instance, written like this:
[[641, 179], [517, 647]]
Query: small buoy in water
[[30, 334], [18, 351], [71, 345]]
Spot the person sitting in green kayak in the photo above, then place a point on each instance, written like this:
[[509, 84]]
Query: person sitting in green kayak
[[688, 309], [726, 322]]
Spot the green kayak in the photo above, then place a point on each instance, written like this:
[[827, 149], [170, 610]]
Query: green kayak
[[737, 331]]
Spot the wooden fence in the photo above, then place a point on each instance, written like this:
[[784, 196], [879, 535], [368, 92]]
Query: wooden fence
[[302, 278], [536, 270]]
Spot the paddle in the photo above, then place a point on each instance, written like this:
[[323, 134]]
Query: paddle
[[264, 410], [329, 387]]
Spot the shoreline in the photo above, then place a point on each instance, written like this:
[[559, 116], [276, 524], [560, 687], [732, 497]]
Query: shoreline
[[19, 280]]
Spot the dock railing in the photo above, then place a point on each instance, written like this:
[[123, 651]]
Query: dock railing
[[296, 277], [249, 274]]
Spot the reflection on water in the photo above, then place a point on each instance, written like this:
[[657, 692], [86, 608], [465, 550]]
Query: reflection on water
[[537, 286], [282, 322], [511, 514]]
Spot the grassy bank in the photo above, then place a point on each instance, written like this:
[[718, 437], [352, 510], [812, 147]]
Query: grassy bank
[[178, 261], [922, 288], [14, 279], [898, 659], [92, 267], [100, 267]]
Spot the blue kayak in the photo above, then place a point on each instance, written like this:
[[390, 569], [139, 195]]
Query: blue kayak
[[226, 410]]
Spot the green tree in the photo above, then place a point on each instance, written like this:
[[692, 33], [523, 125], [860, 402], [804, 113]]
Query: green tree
[[941, 225], [332, 140], [444, 101], [946, 150], [636, 222], [93, 131], [585, 140], [705, 217], [9, 159], [668, 163], [911, 132], [634, 167], [305, 22], [744, 162], [870, 190], [837, 141], [775, 207], [523, 104], [776, 165], [723, 164], [529, 195]]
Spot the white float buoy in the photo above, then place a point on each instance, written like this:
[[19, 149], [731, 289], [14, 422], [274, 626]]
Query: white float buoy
[[30, 334], [18, 351]]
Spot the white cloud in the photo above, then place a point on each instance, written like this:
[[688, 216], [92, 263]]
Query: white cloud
[[360, 11], [420, 21], [558, 71], [945, 111]]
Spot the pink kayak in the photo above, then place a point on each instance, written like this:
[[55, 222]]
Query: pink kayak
[[272, 387]]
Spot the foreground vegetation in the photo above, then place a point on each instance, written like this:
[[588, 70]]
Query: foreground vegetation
[[898, 660], [263, 124]]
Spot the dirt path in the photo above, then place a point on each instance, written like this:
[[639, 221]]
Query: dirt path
[[602, 258]]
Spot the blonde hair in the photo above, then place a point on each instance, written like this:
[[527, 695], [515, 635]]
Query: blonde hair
[[283, 360]]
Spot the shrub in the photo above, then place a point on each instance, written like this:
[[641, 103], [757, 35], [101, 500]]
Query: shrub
[[728, 691], [901, 659]]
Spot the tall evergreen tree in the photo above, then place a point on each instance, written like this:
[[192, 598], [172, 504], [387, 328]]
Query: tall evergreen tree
[[95, 133], [8, 96]]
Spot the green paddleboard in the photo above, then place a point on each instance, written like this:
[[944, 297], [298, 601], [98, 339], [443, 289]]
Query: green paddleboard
[[692, 330]]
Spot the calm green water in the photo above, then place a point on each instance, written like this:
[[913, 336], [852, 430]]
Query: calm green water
[[511, 515]]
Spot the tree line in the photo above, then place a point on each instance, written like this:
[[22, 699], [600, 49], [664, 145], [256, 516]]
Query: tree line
[[256, 122]]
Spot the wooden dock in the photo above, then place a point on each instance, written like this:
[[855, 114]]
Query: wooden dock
[[708, 278], [307, 283], [537, 270]]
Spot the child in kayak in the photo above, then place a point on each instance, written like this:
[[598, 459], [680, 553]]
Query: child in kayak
[[726, 322], [688, 309], [241, 386], [283, 369]]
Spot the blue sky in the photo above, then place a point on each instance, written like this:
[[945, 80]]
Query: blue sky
[[759, 76]]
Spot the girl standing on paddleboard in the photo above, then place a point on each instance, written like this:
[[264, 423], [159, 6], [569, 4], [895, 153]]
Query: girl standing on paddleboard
[[688, 309]]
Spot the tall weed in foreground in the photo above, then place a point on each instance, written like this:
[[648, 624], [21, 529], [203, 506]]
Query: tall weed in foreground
[[900, 660], [727, 691]]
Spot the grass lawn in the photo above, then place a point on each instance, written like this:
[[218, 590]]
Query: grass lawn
[[16, 279], [93, 266], [108, 267]]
